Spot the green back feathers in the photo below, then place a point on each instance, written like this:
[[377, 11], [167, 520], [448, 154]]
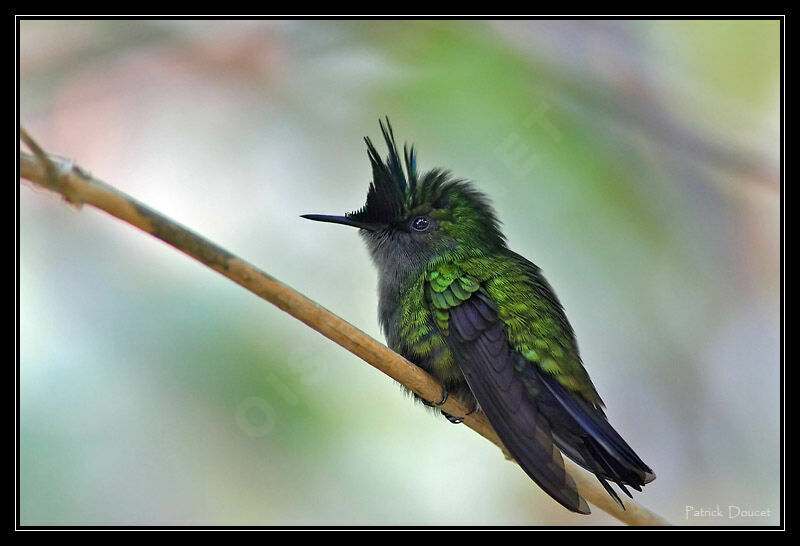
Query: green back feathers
[[534, 323]]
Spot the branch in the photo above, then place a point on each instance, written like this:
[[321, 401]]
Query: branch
[[79, 187]]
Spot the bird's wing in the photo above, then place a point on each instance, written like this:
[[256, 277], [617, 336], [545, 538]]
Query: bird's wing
[[533, 319], [512, 341], [467, 316], [555, 352]]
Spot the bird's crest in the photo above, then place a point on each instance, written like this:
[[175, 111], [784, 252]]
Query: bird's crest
[[398, 191], [391, 186]]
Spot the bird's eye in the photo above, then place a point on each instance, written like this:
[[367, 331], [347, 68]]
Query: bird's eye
[[420, 223]]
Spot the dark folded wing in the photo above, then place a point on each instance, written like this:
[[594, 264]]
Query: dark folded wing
[[488, 363]]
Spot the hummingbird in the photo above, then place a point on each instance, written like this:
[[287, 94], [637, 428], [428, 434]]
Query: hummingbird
[[482, 320]]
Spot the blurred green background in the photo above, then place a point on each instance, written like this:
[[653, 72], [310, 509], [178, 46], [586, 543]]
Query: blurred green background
[[636, 162]]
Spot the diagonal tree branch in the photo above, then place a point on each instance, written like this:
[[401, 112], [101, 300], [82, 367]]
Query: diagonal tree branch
[[78, 187]]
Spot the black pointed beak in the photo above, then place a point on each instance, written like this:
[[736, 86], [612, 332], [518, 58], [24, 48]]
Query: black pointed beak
[[344, 220]]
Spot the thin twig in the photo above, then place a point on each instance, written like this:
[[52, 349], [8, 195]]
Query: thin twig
[[78, 187]]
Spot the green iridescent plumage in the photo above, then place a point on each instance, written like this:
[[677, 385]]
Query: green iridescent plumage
[[484, 321], [533, 326]]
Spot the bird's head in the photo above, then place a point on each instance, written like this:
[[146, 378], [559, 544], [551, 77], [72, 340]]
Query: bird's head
[[410, 220]]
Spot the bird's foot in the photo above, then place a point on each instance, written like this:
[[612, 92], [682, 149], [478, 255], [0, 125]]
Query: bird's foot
[[441, 402], [444, 396]]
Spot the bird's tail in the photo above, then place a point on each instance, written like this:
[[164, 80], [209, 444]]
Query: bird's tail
[[597, 447]]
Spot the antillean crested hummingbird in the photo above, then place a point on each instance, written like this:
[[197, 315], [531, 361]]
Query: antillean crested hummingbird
[[483, 321]]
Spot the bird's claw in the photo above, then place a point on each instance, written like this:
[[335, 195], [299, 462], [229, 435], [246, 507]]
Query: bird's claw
[[445, 393], [441, 402], [444, 396]]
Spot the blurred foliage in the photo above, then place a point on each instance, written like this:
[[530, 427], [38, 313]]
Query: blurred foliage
[[635, 161]]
